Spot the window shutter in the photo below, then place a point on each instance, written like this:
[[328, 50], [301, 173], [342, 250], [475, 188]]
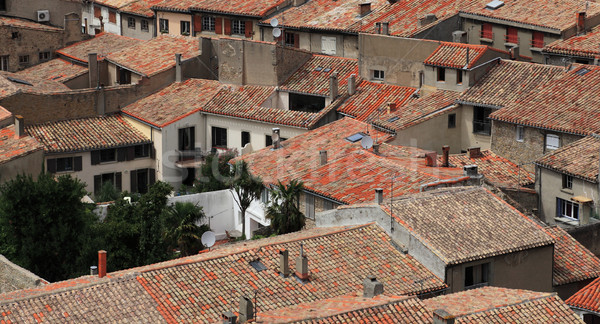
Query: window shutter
[[197, 24], [77, 164], [97, 184], [152, 151], [218, 25], [248, 29], [227, 25], [151, 176], [121, 154], [118, 181], [51, 164], [95, 157], [297, 40], [130, 153], [558, 207], [133, 178]]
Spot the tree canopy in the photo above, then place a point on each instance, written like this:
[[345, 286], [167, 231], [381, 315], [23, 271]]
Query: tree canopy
[[283, 209], [247, 188]]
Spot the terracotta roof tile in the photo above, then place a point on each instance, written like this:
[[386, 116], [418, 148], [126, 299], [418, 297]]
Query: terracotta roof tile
[[313, 76], [102, 44], [588, 298], [4, 114], [141, 7], [454, 224], [57, 70], [12, 147], [23, 23], [509, 81], [570, 103], [13, 83], [254, 8], [585, 45], [579, 159], [503, 305], [454, 55], [163, 49], [572, 261], [114, 3], [86, 134]]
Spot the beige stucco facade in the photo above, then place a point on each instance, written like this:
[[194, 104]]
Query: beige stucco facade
[[30, 164], [135, 30]]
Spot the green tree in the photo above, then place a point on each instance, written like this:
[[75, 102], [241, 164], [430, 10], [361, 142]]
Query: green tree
[[283, 209], [246, 187], [150, 210], [182, 229], [108, 192], [44, 224], [215, 173]]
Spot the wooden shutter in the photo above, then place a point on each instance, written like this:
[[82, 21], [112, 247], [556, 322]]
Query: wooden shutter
[[112, 16], [227, 25], [197, 24], [130, 153], [218, 25], [151, 177], [77, 164], [121, 154], [51, 164], [152, 151], [97, 12], [118, 181], [95, 157], [248, 29], [512, 35], [486, 31], [297, 40], [133, 179], [97, 184]]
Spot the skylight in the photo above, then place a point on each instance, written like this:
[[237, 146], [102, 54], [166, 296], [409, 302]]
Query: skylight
[[494, 5], [355, 138], [326, 70], [319, 68], [19, 81], [393, 119], [582, 71], [257, 265]]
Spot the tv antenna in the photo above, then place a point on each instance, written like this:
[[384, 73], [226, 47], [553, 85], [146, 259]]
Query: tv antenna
[[208, 239]]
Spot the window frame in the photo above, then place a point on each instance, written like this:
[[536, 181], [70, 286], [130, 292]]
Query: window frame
[[459, 77], [487, 31], [552, 147], [163, 25], [512, 35], [245, 140], [441, 74], [108, 155], [378, 75], [2, 5], [218, 137], [112, 16], [65, 164], [564, 207], [131, 22], [4, 60], [185, 28], [537, 39], [238, 27], [567, 181], [452, 120], [44, 56], [289, 39], [480, 275], [208, 23], [144, 25], [23, 59], [97, 12], [186, 138], [141, 151], [520, 134], [482, 126], [329, 39]]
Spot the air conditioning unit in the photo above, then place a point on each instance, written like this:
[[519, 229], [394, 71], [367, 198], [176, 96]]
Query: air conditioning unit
[[43, 15]]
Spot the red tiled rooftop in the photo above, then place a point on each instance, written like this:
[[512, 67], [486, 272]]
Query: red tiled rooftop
[[57, 70], [27, 24], [584, 45], [572, 261], [13, 83], [578, 159], [137, 58], [12, 147], [588, 298], [102, 44], [253, 8], [86, 134], [454, 55], [114, 3], [307, 80], [4, 114], [141, 7]]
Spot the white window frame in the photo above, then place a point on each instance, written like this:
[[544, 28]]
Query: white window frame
[[208, 23], [378, 75], [552, 141], [520, 133], [163, 25], [185, 27], [567, 207], [567, 181], [328, 45], [238, 27]]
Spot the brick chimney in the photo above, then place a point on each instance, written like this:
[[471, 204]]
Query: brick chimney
[[302, 265], [323, 157], [470, 170], [333, 85], [445, 155], [365, 8], [431, 159], [177, 67], [229, 318], [246, 310], [101, 264], [441, 316], [379, 196], [93, 70], [19, 126], [391, 107], [473, 152], [372, 287], [284, 266], [581, 22], [352, 84]]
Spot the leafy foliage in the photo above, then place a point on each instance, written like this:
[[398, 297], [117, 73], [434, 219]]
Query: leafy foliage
[[283, 209], [183, 232], [215, 173], [247, 188], [108, 192]]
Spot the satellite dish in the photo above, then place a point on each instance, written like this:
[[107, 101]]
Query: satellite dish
[[208, 239], [366, 142], [274, 22], [276, 32]]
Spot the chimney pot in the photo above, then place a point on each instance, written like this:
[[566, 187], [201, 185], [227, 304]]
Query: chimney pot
[[177, 67], [333, 85], [365, 8], [284, 266], [470, 170], [473, 152], [379, 196], [275, 137], [431, 159], [93, 270], [246, 310], [376, 148], [302, 265], [19, 126], [445, 156], [352, 84], [229, 318], [372, 287], [441, 316], [101, 264], [323, 157]]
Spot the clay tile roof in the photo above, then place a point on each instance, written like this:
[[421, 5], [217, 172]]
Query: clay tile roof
[[114, 3], [497, 170], [163, 48], [4, 114], [86, 134], [509, 81], [27, 24], [419, 110], [454, 55], [141, 7], [353, 309], [371, 99], [588, 298], [253, 8], [572, 261], [12, 148], [102, 44], [57, 70], [585, 45], [13, 83], [439, 218], [570, 103], [579, 159], [174, 102], [503, 305], [308, 80], [558, 15]]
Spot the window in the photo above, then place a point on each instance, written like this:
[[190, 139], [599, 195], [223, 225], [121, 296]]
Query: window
[[512, 35], [141, 179], [328, 45], [537, 40], [97, 12], [567, 181], [486, 31], [163, 25], [552, 142], [481, 123], [219, 137], [112, 16], [459, 76], [187, 139], [131, 22], [64, 164], [452, 121], [292, 40], [310, 206], [123, 75], [208, 23], [144, 25], [245, 138], [565, 208], [23, 59], [184, 28], [441, 74], [264, 196], [268, 140], [378, 75], [238, 27], [141, 151], [44, 56], [2, 5], [108, 155], [520, 133], [477, 276], [102, 179]]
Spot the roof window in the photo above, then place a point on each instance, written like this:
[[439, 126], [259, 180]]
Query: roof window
[[582, 71], [19, 81], [319, 68], [393, 119], [257, 265], [326, 70], [494, 5], [355, 138]]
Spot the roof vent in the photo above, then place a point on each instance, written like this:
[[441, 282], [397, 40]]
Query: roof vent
[[494, 5], [372, 287]]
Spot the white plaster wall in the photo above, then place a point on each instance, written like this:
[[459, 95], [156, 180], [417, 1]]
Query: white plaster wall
[[170, 142], [114, 28]]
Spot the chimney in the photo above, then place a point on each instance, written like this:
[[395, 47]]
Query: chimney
[[376, 148], [473, 152], [284, 266], [101, 264], [229, 318], [459, 36], [514, 53], [470, 170], [352, 84], [302, 265], [19, 126], [391, 107], [333, 86], [365, 8], [468, 58], [177, 67], [246, 310], [275, 137], [372, 287], [426, 20], [445, 153], [323, 157], [93, 70], [385, 28], [431, 159], [581, 22], [93, 270], [379, 196], [441, 316]]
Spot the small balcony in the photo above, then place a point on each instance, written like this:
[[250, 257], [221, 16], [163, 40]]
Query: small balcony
[[190, 158]]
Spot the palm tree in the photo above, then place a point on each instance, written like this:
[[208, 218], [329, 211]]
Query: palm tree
[[184, 232], [284, 207], [247, 188]]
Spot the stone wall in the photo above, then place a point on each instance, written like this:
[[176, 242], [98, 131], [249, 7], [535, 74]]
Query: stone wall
[[13, 277], [588, 236]]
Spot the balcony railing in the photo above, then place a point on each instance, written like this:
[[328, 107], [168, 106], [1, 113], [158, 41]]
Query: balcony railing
[[513, 39]]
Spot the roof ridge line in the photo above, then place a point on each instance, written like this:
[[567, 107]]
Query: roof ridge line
[[528, 300]]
